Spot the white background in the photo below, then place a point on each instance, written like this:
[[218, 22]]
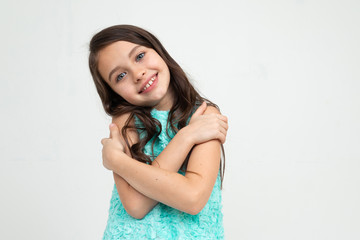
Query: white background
[[286, 73]]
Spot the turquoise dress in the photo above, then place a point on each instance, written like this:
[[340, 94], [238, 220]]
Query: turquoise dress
[[164, 222]]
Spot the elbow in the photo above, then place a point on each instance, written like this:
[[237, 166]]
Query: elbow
[[196, 203], [136, 214], [135, 210], [194, 210]]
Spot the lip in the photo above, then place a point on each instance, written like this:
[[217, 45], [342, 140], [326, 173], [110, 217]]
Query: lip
[[152, 85]]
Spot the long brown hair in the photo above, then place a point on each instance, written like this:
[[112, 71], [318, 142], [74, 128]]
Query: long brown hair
[[186, 98]]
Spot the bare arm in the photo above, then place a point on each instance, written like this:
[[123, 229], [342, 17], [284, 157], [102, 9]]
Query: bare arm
[[171, 159], [135, 203], [188, 193]]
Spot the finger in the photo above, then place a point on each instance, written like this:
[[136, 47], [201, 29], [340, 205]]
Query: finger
[[223, 131], [221, 137], [224, 125], [103, 141], [114, 131], [222, 117], [201, 109]]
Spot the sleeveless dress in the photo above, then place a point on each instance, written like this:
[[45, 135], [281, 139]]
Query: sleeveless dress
[[164, 222]]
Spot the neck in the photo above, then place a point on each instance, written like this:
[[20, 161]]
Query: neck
[[167, 102]]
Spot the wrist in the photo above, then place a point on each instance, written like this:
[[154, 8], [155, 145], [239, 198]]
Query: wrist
[[117, 164], [186, 136]]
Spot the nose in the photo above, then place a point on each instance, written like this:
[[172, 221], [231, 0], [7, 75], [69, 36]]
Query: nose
[[139, 73]]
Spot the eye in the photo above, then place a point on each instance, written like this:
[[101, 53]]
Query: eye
[[120, 76], [140, 56]]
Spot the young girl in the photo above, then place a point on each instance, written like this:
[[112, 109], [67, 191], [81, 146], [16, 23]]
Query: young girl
[[165, 142]]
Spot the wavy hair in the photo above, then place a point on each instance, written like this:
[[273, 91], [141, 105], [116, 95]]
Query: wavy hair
[[186, 98]]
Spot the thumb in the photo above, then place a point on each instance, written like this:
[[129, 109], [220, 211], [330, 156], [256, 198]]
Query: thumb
[[200, 110], [114, 131]]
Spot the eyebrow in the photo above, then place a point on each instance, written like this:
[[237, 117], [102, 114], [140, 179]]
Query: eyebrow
[[133, 50], [117, 68]]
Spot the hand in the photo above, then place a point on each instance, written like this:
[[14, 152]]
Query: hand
[[112, 147], [205, 127]]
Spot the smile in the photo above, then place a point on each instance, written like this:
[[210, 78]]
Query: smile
[[149, 84]]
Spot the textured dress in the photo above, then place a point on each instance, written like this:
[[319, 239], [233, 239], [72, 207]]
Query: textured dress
[[164, 222]]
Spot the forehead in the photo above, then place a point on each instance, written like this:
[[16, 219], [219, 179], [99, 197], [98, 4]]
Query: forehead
[[113, 55], [119, 48]]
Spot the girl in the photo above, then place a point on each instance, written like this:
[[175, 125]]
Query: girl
[[158, 119]]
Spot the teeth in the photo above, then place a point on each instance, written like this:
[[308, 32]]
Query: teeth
[[149, 83]]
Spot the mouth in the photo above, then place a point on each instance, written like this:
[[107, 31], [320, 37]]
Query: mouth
[[148, 84]]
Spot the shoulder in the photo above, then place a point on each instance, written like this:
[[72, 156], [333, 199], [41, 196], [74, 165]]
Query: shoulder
[[121, 120], [212, 110], [131, 133]]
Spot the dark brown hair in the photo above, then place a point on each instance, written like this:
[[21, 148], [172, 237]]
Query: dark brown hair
[[186, 98]]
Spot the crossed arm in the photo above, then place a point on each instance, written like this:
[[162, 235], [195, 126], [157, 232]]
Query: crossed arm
[[141, 186]]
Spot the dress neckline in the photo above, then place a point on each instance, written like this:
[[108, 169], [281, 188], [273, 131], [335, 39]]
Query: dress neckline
[[160, 111]]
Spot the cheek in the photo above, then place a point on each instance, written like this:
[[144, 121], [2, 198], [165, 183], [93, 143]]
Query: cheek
[[152, 63], [123, 90], [127, 96], [155, 61]]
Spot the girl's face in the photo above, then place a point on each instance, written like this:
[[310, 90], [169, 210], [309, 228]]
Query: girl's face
[[136, 73]]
